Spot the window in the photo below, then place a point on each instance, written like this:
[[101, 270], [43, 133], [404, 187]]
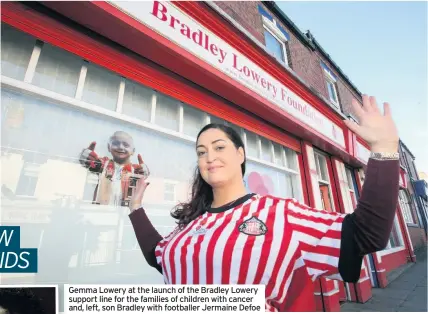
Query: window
[[406, 207], [331, 85], [324, 181], [16, 50], [275, 40]]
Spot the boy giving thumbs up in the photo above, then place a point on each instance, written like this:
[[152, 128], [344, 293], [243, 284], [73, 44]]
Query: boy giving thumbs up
[[115, 173]]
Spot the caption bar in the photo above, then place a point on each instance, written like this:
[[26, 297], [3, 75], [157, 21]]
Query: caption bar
[[163, 298]]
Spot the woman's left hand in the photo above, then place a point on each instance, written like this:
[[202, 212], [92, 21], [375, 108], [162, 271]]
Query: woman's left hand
[[377, 129]]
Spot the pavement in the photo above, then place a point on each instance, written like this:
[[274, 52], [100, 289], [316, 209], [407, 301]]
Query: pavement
[[406, 293]]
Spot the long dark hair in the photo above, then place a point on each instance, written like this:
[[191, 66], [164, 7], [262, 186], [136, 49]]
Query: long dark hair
[[202, 192]]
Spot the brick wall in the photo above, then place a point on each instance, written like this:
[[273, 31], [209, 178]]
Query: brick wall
[[246, 14], [417, 236]]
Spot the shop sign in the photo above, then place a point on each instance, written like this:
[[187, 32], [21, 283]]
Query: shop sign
[[171, 23]]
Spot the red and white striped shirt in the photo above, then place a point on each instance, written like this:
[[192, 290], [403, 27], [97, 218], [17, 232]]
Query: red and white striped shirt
[[264, 240]]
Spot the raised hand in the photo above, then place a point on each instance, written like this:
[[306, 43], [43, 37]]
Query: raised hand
[[89, 158], [141, 168], [377, 129]]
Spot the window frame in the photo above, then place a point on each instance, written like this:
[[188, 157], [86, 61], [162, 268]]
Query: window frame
[[272, 28]]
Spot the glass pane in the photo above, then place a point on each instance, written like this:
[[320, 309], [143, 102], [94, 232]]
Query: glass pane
[[101, 87], [291, 157], [167, 112], [322, 170], [16, 50], [274, 46], [252, 145], [58, 70], [194, 120], [350, 179], [217, 120], [137, 101], [266, 150], [236, 128], [279, 160]]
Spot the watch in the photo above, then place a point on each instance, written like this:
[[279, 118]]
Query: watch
[[385, 156]]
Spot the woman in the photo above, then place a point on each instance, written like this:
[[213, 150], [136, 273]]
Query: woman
[[226, 236]]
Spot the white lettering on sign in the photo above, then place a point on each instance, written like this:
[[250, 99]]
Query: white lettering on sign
[[363, 153], [173, 24]]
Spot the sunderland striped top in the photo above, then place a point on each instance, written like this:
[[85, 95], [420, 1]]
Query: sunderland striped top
[[263, 240]]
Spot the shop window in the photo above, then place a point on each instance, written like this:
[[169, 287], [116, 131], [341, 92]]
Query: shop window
[[395, 238], [324, 181], [266, 146], [167, 112], [137, 101], [57, 70], [252, 148], [275, 40], [101, 87], [16, 50], [406, 207], [193, 120]]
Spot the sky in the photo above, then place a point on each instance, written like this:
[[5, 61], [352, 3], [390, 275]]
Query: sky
[[382, 48]]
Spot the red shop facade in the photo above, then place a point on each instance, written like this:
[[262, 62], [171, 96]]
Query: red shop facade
[[187, 52]]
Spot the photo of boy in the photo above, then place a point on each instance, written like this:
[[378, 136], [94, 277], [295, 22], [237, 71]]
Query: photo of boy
[[117, 174]]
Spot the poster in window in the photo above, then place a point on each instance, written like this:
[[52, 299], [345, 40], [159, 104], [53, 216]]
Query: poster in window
[[117, 174]]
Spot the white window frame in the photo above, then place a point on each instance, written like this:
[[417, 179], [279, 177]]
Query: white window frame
[[331, 80], [273, 29]]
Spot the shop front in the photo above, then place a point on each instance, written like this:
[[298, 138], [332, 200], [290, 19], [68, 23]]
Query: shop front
[[74, 73]]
